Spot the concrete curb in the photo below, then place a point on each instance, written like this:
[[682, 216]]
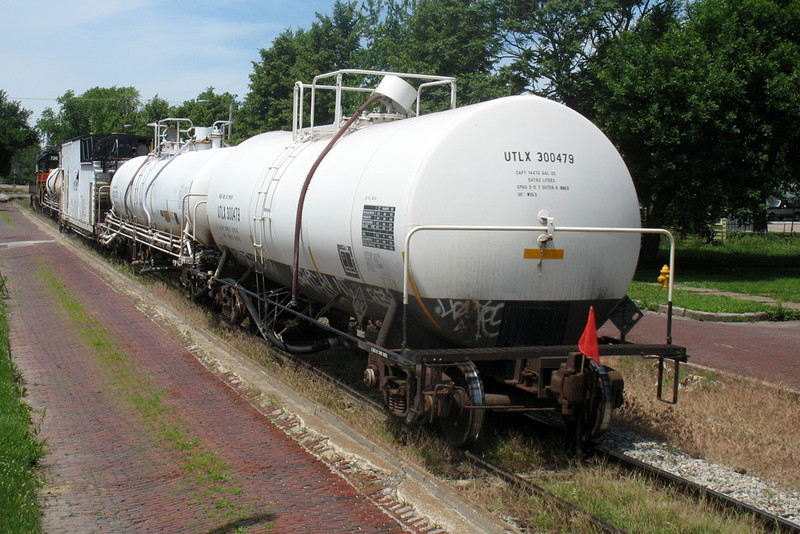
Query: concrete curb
[[715, 316]]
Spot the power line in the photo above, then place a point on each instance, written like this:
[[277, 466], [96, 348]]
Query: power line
[[94, 98], [77, 98]]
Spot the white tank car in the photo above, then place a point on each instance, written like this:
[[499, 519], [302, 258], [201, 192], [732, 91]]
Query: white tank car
[[53, 183], [498, 163], [163, 191]]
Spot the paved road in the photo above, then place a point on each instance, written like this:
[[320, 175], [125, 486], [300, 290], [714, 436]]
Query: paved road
[[140, 436], [764, 350]]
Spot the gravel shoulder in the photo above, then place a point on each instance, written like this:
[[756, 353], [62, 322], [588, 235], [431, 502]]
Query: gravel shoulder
[[753, 490]]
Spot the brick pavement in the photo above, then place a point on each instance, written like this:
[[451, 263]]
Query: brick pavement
[[141, 437], [768, 351]]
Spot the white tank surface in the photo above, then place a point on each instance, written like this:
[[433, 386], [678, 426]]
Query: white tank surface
[[160, 191], [53, 183], [497, 163]]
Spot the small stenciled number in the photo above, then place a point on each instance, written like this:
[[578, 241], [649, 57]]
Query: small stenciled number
[[228, 213], [555, 157]]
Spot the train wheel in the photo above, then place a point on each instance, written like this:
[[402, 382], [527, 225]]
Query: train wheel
[[231, 307], [600, 401], [462, 425], [592, 419]]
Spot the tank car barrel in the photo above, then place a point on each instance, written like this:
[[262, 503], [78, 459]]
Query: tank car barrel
[[311, 231]]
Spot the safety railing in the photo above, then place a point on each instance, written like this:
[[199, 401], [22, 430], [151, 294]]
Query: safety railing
[[340, 87], [549, 229]]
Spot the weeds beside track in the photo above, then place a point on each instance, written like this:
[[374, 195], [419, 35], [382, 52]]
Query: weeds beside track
[[20, 451]]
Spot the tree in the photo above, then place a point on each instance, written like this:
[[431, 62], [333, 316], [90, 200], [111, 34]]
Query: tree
[[152, 111], [15, 133], [548, 43], [385, 34], [757, 41], [207, 108], [98, 110], [23, 164], [439, 37], [705, 109], [267, 105], [330, 44]]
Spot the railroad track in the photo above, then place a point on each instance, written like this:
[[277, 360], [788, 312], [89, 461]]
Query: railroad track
[[768, 521], [765, 519], [513, 479]]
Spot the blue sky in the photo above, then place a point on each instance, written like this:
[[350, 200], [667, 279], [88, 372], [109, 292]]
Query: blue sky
[[173, 49]]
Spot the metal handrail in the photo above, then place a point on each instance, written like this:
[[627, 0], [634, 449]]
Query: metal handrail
[[339, 88], [193, 214], [547, 232], [433, 84]]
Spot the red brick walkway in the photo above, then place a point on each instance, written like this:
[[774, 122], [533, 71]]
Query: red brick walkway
[[140, 436], [764, 350]]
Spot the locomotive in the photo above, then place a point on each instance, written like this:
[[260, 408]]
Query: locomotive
[[46, 163], [461, 249]]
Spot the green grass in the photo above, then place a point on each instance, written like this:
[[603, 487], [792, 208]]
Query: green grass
[[749, 264], [650, 297], [637, 505], [738, 252], [20, 452], [783, 286]]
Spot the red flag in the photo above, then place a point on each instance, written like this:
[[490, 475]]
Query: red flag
[[588, 343]]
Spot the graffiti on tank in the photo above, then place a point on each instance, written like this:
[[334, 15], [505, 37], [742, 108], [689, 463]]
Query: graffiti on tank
[[470, 316], [332, 286]]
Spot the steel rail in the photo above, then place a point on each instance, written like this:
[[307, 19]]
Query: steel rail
[[765, 519], [487, 466], [518, 481]]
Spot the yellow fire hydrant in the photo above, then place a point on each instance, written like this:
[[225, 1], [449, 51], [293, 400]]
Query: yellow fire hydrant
[[663, 278]]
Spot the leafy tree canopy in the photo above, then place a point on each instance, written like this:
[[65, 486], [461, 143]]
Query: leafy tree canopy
[[15, 133], [207, 108], [330, 44], [439, 37], [98, 110], [547, 44], [152, 111], [704, 107]]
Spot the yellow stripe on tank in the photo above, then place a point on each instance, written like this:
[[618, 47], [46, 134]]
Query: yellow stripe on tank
[[543, 254]]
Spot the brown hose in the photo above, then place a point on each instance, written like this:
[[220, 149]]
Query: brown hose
[[301, 202]]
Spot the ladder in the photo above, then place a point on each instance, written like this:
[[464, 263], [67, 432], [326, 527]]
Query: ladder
[[266, 194]]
